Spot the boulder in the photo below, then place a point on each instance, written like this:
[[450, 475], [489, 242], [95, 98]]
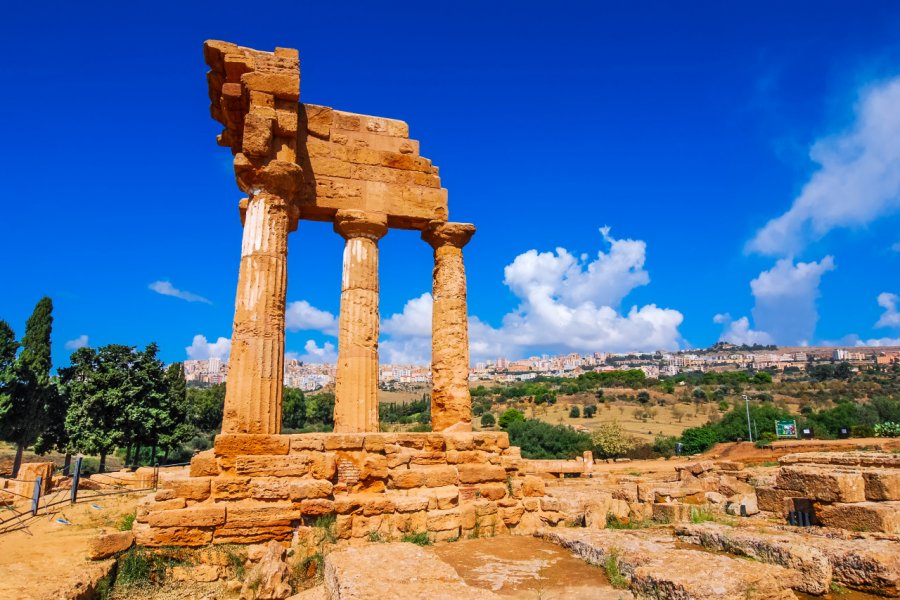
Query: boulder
[[270, 577], [109, 544], [742, 505], [822, 484], [782, 549], [400, 570], [861, 516]]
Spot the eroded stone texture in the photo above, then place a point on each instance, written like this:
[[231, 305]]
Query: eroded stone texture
[[451, 404], [356, 380]]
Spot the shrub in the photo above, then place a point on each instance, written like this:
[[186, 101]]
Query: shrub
[[540, 440], [611, 441], [589, 412], [510, 416], [488, 420], [126, 523], [664, 445], [887, 429], [574, 412], [419, 538]]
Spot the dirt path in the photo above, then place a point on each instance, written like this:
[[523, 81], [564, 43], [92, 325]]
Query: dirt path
[[33, 566]]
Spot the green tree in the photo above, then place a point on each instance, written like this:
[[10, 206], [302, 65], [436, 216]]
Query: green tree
[[8, 348], [589, 411], [54, 435], [293, 408], [510, 416], [178, 429], [574, 412], [206, 407], [643, 397], [611, 441], [698, 439], [31, 393], [488, 420], [540, 440]]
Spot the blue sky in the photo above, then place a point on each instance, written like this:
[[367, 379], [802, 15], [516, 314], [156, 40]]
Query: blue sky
[[684, 129]]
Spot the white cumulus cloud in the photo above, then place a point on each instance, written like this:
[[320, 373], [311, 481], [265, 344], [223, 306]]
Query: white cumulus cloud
[[80, 342], [786, 298], [167, 289], [313, 353], [858, 180], [303, 316], [739, 332], [201, 349], [566, 304], [890, 317]]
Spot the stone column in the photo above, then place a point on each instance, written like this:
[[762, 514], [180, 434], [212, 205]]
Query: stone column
[[356, 385], [256, 367], [451, 404]]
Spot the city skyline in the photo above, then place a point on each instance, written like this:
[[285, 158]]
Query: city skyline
[[639, 182]]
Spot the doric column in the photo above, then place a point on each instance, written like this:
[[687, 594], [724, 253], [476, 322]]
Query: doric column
[[256, 367], [451, 404], [356, 385]]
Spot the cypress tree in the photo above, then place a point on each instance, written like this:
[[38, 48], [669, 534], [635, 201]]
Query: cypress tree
[[8, 348], [27, 414]]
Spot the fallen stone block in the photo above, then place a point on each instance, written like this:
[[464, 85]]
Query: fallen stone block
[[882, 485], [861, 516], [109, 544], [742, 505], [414, 572], [822, 484], [785, 550]]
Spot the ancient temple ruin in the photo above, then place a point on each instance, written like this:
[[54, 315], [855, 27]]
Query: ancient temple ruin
[[299, 161], [363, 174]]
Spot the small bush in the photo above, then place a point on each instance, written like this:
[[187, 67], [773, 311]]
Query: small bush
[[701, 514], [488, 420], [420, 538], [574, 412], [126, 523], [613, 573], [326, 523]]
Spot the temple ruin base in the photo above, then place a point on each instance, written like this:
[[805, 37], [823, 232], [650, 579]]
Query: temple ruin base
[[252, 488]]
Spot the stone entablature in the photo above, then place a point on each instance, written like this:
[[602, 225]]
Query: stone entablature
[[253, 488]]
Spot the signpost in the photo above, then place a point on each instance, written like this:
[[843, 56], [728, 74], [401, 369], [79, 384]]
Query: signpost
[[786, 429]]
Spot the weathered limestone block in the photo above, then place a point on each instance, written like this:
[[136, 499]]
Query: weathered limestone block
[[262, 514], [231, 445], [189, 488], [270, 577], [822, 484], [785, 550], [28, 474], [861, 516], [344, 441], [882, 484], [146, 535], [848, 459], [865, 564], [303, 442], [110, 544], [533, 486], [202, 573], [304, 489], [195, 516], [349, 576], [772, 499], [480, 473], [441, 498], [318, 465], [204, 464], [269, 488]]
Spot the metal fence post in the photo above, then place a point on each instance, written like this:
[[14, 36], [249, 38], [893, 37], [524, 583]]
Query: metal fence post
[[36, 497], [76, 478]]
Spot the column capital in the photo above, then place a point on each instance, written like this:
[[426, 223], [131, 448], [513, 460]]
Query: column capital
[[443, 233], [353, 223]]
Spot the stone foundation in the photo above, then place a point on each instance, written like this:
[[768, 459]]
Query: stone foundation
[[252, 488]]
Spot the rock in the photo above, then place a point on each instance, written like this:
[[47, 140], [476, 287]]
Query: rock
[[315, 593], [202, 573], [742, 505], [359, 573], [715, 498], [882, 485], [28, 474], [109, 544], [657, 569], [822, 484], [691, 575], [785, 550], [269, 579], [865, 564], [861, 516]]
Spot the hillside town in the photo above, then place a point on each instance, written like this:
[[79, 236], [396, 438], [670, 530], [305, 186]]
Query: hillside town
[[720, 357]]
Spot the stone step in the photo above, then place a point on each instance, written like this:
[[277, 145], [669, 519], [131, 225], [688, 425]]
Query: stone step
[[782, 549], [657, 569], [401, 570]]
